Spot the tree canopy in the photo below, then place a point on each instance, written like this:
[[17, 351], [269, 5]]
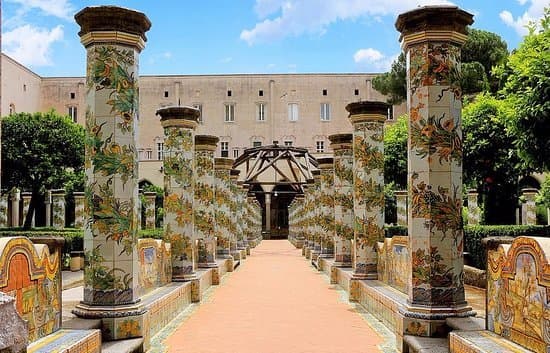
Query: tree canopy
[[393, 83], [40, 151], [395, 153], [526, 79]]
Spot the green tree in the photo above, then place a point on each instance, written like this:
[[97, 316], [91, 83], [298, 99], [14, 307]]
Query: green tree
[[40, 151], [393, 83], [395, 153], [490, 160], [526, 78]]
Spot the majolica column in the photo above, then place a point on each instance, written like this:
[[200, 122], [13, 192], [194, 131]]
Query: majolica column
[[15, 199], [316, 214], [26, 196], [204, 205], [341, 145], [4, 210], [223, 217], [48, 208], [58, 208], [235, 214], [474, 213], [368, 120], [529, 212], [326, 165], [113, 38], [150, 208], [179, 124], [78, 209], [431, 37], [401, 203]]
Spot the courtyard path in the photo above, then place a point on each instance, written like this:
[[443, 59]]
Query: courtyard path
[[274, 302]]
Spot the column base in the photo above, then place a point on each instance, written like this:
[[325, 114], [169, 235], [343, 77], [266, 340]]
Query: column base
[[429, 321], [326, 255], [208, 265], [363, 276], [117, 322], [341, 264], [185, 278]]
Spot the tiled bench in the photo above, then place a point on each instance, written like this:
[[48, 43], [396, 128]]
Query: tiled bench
[[482, 342], [68, 341]]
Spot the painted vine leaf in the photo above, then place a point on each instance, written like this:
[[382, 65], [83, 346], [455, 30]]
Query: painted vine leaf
[[369, 193], [179, 168], [368, 232], [430, 270], [368, 156], [100, 277], [437, 136]]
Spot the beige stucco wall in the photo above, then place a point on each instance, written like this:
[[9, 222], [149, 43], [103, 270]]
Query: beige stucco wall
[[20, 88]]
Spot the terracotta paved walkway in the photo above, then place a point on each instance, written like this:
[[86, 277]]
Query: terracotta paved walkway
[[275, 302]]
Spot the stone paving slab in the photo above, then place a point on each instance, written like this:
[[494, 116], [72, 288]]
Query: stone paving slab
[[275, 303]]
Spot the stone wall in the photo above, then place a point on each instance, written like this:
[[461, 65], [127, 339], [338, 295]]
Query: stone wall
[[518, 285], [32, 275]]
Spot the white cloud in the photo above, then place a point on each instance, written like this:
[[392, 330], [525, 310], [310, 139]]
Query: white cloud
[[373, 59], [533, 15], [31, 45], [226, 60], [296, 17], [58, 8]]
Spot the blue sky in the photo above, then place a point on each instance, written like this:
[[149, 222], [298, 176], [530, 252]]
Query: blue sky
[[244, 36]]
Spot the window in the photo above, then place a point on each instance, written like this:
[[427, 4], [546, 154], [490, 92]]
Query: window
[[225, 149], [325, 111], [260, 111], [12, 108], [235, 152], [148, 154], [230, 112], [288, 143], [320, 146], [257, 144], [199, 107], [165, 94], [293, 111], [160, 150], [24, 88], [356, 92], [229, 93], [72, 113], [325, 92], [73, 95], [261, 93]]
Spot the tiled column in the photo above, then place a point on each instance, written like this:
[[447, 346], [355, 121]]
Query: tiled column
[[341, 144], [150, 208], [326, 165], [242, 241], [474, 214], [58, 208], [78, 209], [15, 198], [223, 217], [113, 38], [3, 210], [529, 209], [401, 203], [204, 205], [315, 216], [48, 208], [179, 124], [26, 197], [431, 38], [368, 120], [235, 212]]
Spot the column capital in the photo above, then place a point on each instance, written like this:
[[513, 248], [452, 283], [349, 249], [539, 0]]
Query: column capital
[[112, 24], [401, 193], [206, 142], [234, 174], [433, 23], [185, 117], [223, 163], [367, 111], [340, 141], [150, 194], [326, 163]]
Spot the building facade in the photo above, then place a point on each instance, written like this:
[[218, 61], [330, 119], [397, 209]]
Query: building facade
[[243, 110]]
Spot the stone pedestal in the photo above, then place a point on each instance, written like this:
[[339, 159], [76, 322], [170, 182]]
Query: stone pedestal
[[326, 206], [474, 213], [431, 38], [15, 198], [179, 124], [401, 202], [528, 208], [48, 208], [58, 208], [205, 199], [368, 120], [150, 197], [26, 196], [113, 38], [223, 217], [79, 211]]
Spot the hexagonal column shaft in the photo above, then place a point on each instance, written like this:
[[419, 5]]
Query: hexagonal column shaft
[[368, 184], [223, 216], [205, 200], [341, 144], [431, 38], [179, 125], [326, 202]]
